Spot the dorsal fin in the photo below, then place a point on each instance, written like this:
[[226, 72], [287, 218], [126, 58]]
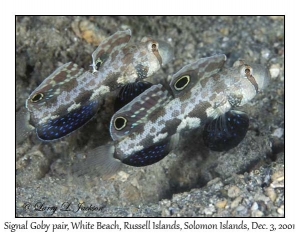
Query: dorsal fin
[[115, 42], [190, 74], [132, 115], [226, 131]]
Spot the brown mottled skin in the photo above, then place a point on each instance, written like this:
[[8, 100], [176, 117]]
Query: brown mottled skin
[[206, 96], [114, 65], [155, 119]]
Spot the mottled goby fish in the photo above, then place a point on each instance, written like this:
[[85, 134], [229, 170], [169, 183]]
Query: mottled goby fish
[[71, 96], [204, 92]]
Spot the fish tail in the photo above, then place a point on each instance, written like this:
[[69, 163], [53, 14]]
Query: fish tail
[[99, 162]]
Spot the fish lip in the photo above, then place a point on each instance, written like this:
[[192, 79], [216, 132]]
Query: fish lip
[[262, 75], [166, 52]]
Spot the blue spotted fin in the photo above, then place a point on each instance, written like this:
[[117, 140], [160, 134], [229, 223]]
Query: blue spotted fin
[[187, 77], [68, 121], [226, 131], [108, 46], [133, 115], [98, 162], [128, 92], [149, 155]]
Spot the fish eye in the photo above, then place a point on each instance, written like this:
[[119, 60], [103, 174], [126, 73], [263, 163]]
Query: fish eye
[[249, 75], [247, 71], [182, 82], [37, 97], [98, 62], [153, 46], [120, 123]]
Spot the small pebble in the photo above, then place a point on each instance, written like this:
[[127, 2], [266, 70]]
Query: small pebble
[[236, 202], [88, 31], [277, 17], [135, 182], [277, 184], [166, 203], [209, 210], [214, 181], [254, 206], [81, 201], [123, 176], [257, 214], [278, 175], [233, 191], [190, 47], [261, 197], [221, 204], [20, 204], [241, 210], [224, 31], [265, 53], [278, 132], [274, 70], [278, 179], [165, 213], [280, 210], [270, 192]]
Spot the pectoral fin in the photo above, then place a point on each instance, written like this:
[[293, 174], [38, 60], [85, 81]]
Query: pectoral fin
[[99, 162], [226, 131]]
